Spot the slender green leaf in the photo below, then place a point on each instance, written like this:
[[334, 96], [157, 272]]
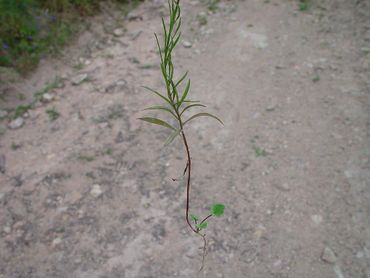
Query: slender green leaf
[[172, 137], [157, 122], [158, 94], [190, 106], [218, 210], [163, 108], [201, 226], [185, 93], [203, 115], [181, 79]]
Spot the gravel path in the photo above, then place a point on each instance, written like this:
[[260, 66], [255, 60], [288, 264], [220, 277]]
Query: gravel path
[[86, 189]]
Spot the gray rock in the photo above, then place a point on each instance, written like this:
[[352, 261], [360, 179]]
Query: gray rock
[[134, 15], [57, 241], [328, 256], [118, 32], [187, 44], [2, 163], [78, 79], [3, 114], [96, 191], [17, 123], [7, 229]]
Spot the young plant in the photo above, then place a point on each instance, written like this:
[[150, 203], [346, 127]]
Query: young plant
[[175, 103]]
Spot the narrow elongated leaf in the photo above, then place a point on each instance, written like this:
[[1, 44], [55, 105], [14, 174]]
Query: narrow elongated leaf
[[159, 47], [218, 210], [157, 122], [185, 93], [181, 79], [158, 94], [191, 101], [190, 106], [172, 137], [203, 115], [163, 108]]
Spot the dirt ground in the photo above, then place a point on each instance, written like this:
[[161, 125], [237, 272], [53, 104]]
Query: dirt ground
[[86, 188]]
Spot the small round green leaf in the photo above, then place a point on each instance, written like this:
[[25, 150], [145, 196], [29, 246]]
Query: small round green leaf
[[218, 209], [202, 226]]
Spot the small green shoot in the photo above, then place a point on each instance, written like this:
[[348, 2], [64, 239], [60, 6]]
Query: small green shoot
[[260, 152]]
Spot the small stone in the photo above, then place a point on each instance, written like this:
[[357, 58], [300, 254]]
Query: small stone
[[133, 15], [3, 114], [78, 79], [118, 32], [271, 108], [47, 97], [57, 241], [96, 191], [328, 256], [317, 219], [17, 123], [187, 44], [7, 229]]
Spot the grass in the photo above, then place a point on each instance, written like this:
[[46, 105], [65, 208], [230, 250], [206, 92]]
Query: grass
[[31, 29], [53, 114], [259, 152], [304, 5], [20, 110]]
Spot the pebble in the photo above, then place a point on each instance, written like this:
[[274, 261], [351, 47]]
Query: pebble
[[328, 256], [187, 44], [3, 113], [134, 16], [57, 241], [317, 219], [47, 97], [118, 32], [78, 79], [17, 123], [7, 229], [96, 191]]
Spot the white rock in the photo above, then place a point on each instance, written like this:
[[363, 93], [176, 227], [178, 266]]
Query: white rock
[[187, 44], [96, 191], [118, 32], [317, 219], [56, 241], [47, 97], [7, 229], [17, 123], [328, 256], [78, 79]]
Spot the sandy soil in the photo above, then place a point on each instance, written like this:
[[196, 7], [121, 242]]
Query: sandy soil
[[89, 193]]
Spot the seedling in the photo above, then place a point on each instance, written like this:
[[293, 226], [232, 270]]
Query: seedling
[[304, 5], [175, 103]]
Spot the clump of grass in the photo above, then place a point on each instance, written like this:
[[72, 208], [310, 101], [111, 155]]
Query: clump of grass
[[21, 109], [260, 152], [304, 5], [53, 114], [175, 102]]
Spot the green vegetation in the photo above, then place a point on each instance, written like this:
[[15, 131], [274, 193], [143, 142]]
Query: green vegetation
[[304, 5], [21, 109], [260, 152], [175, 102], [30, 29], [53, 114]]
